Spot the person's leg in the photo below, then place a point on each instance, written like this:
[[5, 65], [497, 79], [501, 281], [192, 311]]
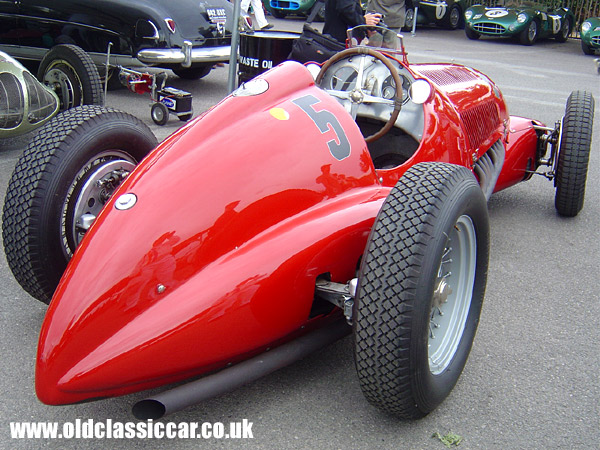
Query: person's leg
[[259, 14]]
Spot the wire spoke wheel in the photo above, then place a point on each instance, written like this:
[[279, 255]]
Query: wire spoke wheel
[[452, 296], [529, 35], [420, 291]]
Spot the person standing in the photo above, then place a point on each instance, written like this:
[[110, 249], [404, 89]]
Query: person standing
[[343, 14], [394, 12], [259, 13]]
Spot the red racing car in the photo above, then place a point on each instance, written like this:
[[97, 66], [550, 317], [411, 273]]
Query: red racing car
[[310, 199]]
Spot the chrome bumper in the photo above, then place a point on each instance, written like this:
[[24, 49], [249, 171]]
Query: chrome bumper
[[185, 56]]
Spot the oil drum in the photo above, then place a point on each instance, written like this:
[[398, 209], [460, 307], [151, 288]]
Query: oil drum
[[261, 50]]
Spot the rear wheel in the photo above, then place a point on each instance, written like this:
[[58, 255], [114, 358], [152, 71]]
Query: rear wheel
[[193, 73], [71, 73], [565, 30], [113, 83], [61, 182], [421, 287], [574, 153]]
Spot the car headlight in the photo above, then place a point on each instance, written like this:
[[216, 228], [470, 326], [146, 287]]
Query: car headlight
[[468, 15], [521, 17], [420, 91], [585, 27]]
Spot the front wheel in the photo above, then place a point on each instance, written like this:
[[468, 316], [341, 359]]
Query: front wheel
[[529, 35], [587, 49], [59, 185], [421, 287], [278, 14], [472, 34], [574, 154]]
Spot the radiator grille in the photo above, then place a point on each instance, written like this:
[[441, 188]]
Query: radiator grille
[[449, 75], [480, 122], [489, 28], [41, 103], [11, 101], [596, 40], [291, 6]]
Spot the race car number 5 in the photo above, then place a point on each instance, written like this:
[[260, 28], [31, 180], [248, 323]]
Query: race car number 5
[[325, 121]]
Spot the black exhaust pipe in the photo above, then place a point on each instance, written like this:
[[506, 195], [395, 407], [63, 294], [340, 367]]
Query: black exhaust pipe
[[238, 375]]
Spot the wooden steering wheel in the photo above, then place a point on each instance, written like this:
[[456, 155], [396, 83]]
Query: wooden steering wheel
[[357, 95]]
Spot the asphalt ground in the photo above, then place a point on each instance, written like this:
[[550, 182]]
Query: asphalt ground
[[531, 381]]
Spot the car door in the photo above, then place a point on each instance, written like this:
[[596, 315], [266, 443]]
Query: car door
[[88, 24], [8, 25]]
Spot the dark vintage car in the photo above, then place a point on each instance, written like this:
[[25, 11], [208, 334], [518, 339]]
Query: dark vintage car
[[187, 36]]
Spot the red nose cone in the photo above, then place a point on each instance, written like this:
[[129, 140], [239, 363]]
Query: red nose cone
[[214, 261]]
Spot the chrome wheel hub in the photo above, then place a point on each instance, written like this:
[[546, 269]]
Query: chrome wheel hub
[[92, 188], [68, 88]]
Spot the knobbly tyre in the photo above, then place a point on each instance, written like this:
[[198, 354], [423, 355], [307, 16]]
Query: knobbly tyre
[[164, 264]]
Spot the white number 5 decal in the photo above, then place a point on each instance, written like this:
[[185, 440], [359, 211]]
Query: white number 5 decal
[[325, 120]]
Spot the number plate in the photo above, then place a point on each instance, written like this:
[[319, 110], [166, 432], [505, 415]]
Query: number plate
[[216, 15]]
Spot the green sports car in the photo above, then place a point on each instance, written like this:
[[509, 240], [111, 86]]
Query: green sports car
[[446, 13], [590, 35], [526, 20]]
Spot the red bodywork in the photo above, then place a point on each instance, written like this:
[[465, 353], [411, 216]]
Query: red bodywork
[[237, 215]]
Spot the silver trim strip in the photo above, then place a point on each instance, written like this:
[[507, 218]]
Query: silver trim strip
[[147, 56]]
